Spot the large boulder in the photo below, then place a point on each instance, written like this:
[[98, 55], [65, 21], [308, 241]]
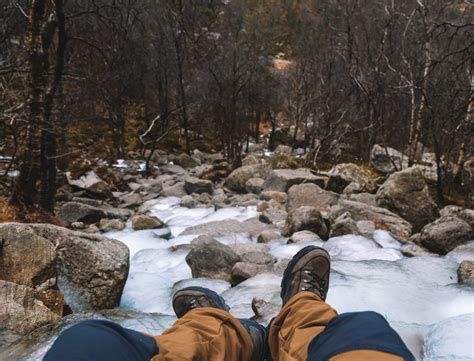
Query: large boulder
[[348, 174], [196, 185], [406, 194], [281, 180], [187, 161], [92, 184], [382, 218], [237, 180], [387, 160], [212, 260], [226, 227], [306, 219], [72, 212], [311, 195], [89, 270], [445, 234], [21, 311]]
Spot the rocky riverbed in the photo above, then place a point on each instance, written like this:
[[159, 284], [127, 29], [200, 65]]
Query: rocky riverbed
[[192, 223]]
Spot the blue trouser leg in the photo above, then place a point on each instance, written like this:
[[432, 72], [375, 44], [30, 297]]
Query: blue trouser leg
[[102, 341], [357, 331]]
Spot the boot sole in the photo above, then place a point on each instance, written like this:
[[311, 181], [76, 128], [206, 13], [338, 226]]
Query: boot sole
[[303, 252]]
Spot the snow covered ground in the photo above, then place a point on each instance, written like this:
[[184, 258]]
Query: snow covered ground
[[420, 296]]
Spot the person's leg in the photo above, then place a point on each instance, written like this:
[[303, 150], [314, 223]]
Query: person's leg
[[101, 340], [309, 329], [206, 331]]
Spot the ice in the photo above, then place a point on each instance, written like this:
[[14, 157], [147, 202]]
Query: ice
[[451, 339], [263, 286], [280, 250], [358, 248], [412, 290], [463, 252], [120, 164], [386, 240]]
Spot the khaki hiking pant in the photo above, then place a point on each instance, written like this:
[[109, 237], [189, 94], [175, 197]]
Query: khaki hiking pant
[[215, 335], [305, 329]]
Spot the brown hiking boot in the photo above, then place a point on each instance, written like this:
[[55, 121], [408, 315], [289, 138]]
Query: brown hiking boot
[[307, 271], [196, 297]]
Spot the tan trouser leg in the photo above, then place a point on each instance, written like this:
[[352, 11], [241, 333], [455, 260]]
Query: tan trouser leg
[[205, 334], [303, 317]]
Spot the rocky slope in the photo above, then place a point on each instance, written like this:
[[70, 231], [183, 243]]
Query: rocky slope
[[192, 223]]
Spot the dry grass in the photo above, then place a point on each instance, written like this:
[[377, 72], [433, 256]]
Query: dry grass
[[9, 213]]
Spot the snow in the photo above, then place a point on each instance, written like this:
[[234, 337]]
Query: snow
[[419, 296]]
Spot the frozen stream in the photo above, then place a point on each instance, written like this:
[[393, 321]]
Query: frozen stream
[[419, 296]]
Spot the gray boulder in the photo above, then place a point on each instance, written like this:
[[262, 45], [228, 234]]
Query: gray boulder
[[142, 221], [244, 270], [274, 216], [466, 272], [343, 225], [237, 180], [187, 161], [387, 160], [304, 237], [311, 195], [226, 227], [212, 260], [72, 212], [196, 185], [89, 270], [176, 190], [281, 180], [254, 185], [445, 234], [306, 219], [107, 225], [348, 174], [21, 310], [382, 218], [91, 183], [267, 236], [406, 194]]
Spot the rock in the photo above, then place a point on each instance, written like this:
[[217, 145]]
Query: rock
[[466, 272], [367, 198], [177, 190], [343, 225], [92, 184], [21, 310], [107, 225], [267, 236], [254, 185], [72, 212], [152, 186], [196, 185], [304, 237], [311, 195], [212, 260], [258, 257], [226, 227], [406, 194], [187, 161], [250, 160], [306, 219], [283, 149], [280, 197], [387, 160], [173, 169], [381, 217], [90, 270], [274, 216], [244, 270], [142, 221], [445, 234], [245, 248], [414, 250], [345, 174], [281, 180], [237, 180], [467, 215], [131, 199]]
